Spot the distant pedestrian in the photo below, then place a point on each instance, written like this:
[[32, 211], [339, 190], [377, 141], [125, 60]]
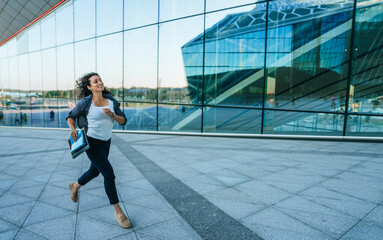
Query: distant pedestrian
[[17, 120], [25, 118], [52, 115], [293, 100], [333, 104], [96, 112]]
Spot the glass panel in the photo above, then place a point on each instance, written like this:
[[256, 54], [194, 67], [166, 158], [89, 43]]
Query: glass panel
[[109, 16], [22, 43], [140, 12], [289, 122], [234, 57], [180, 68], [34, 41], [64, 24], [36, 79], [212, 5], [84, 19], [141, 116], [179, 118], [307, 57], [25, 96], [12, 47], [14, 103], [366, 90], [232, 120], [50, 88], [1, 114], [170, 9], [3, 51], [65, 82], [85, 59], [109, 63], [48, 31], [141, 64], [371, 126], [5, 116]]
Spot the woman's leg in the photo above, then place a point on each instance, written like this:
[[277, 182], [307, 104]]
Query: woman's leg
[[98, 155], [120, 217], [91, 173]]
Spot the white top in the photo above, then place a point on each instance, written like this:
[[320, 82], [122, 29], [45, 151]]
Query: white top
[[100, 125]]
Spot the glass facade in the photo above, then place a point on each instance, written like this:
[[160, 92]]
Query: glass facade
[[256, 67]]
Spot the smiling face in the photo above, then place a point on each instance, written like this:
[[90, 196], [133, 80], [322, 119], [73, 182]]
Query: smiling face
[[96, 84]]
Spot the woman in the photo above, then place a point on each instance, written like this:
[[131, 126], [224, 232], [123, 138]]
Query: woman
[[96, 112]]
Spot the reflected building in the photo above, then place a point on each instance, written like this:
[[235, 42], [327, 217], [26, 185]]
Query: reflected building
[[270, 67]]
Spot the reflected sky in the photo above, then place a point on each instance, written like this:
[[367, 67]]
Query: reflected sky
[[139, 61]]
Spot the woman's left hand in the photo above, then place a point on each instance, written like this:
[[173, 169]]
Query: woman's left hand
[[108, 112]]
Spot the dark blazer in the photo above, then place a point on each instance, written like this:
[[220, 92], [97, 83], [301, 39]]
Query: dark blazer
[[80, 111]]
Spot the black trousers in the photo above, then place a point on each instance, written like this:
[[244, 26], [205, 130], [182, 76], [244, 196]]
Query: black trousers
[[98, 155]]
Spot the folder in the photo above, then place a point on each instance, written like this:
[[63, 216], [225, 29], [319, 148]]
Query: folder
[[80, 146]]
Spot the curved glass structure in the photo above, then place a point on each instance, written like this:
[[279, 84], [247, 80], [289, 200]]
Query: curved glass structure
[[263, 67]]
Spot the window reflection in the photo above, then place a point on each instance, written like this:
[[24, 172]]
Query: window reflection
[[5, 92], [34, 34], [364, 125], [36, 80], [190, 62], [366, 90], [12, 47], [65, 82], [180, 67], [14, 93], [22, 43], [141, 65], [235, 120], [212, 5], [50, 88], [3, 51], [234, 57], [109, 63], [84, 19], [140, 12], [4, 85], [48, 31], [109, 16], [171, 9], [289, 122], [85, 59], [25, 96], [64, 23], [307, 58], [179, 118], [140, 116]]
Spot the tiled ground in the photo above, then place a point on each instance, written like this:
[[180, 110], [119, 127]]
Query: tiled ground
[[179, 187]]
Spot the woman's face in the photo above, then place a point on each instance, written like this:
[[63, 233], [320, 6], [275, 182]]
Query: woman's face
[[96, 84]]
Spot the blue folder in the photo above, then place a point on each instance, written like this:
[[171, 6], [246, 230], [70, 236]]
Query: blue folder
[[80, 146]]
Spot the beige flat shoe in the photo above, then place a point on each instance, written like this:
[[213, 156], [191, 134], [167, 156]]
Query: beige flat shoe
[[73, 194], [123, 221]]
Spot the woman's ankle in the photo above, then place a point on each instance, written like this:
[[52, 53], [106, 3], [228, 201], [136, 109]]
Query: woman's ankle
[[77, 186], [120, 214]]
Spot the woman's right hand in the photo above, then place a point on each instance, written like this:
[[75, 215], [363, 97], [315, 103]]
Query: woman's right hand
[[74, 135]]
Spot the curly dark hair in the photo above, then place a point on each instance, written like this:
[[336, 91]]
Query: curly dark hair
[[83, 83]]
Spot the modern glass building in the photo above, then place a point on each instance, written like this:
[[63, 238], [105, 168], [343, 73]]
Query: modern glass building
[[311, 67]]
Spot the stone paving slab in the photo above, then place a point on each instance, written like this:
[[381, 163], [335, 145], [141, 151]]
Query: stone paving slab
[[276, 189]]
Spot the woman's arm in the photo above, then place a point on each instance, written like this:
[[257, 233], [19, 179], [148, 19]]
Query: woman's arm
[[72, 125], [119, 119]]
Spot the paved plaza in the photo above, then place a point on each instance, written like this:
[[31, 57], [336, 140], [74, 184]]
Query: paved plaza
[[190, 187]]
